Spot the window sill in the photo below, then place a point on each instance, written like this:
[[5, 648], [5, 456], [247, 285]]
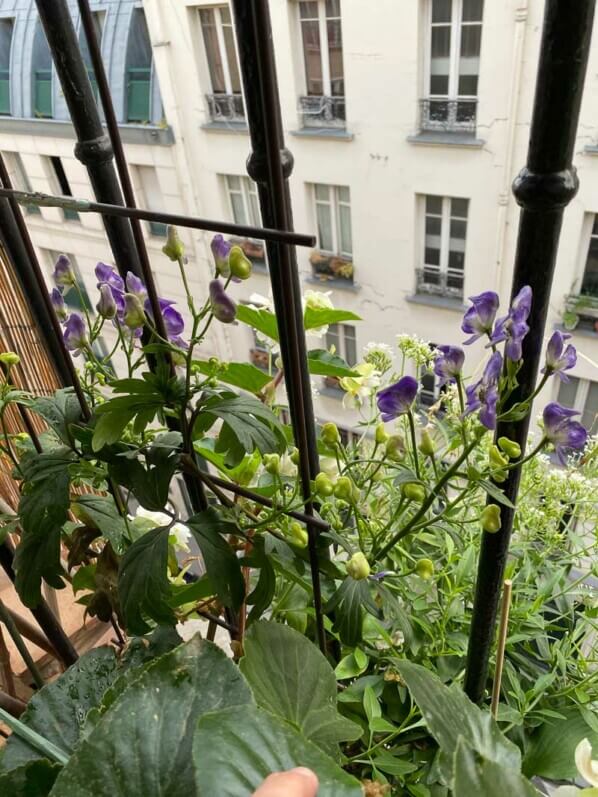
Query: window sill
[[60, 128], [591, 149], [439, 138], [259, 267], [444, 302], [343, 285], [225, 127], [333, 133], [331, 392]]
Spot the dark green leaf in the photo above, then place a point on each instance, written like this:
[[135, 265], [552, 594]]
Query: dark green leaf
[[100, 512], [141, 747], [322, 363], [291, 678], [262, 320], [243, 375], [236, 749], [481, 776], [191, 593], [496, 493], [262, 594], [222, 565], [347, 603], [321, 317], [110, 427], [60, 411], [143, 584], [150, 484], [551, 752], [31, 780]]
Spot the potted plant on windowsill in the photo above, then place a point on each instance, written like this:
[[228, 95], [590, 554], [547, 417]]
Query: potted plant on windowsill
[[331, 267]]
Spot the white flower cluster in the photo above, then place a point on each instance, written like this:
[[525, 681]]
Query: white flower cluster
[[380, 355], [416, 349]]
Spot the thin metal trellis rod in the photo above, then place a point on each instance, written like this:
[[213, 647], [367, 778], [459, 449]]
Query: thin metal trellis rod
[[542, 189], [270, 165], [177, 220]]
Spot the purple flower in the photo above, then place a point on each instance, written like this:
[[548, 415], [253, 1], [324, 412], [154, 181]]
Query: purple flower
[[221, 251], [558, 358], [110, 276], [448, 363], [223, 307], [512, 328], [483, 395], [75, 333], [397, 399], [136, 286], [133, 317], [566, 435], [106, 307], [63, 273], [58, 304], [479, 318]]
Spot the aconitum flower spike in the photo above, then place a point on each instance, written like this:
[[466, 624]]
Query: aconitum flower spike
[[106, 306], [449, 363], [135, 285], [513, 328], [63, 272], [221, 251], [173, 248], [134, 316], [479, 318], [109, 275], [566, 435], [483, 395], [58, 304], [397, 399], [558, 358], [223, 307], [75, 333]]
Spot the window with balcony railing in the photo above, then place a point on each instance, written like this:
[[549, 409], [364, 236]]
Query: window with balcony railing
[[244, 209], [323, 104], [443, 247], [225, 103], [6, 28], [41, 63], [333, 260], [453, 66], [139, 70]]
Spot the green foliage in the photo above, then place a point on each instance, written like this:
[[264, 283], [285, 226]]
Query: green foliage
[[243, 375], [100, 512], [322, 363], [475, 774], [261, 320], [34, 779], [316, 317], [61, 411], [551, 751], [150, 483]]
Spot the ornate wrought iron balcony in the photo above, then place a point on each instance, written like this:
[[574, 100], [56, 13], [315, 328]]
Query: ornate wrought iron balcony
[[449, 116], [322, 111], [226, 107], [439, 283]]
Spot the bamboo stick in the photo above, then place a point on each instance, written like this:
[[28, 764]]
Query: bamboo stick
[[502, 640]]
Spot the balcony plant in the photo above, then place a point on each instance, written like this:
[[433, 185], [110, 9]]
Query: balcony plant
[[405, 511], [331, 267]]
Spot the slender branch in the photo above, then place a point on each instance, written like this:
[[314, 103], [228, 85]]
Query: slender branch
[[12, 629]]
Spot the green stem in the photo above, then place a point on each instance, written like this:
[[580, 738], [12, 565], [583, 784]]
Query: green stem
[[12, 629], [36, 741], [413, 443]]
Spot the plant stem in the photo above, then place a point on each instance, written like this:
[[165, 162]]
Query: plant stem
[[413, 443], [47, 748]]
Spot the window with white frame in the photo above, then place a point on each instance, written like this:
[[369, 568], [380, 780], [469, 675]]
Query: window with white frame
[[322, 41], [226, 100], [333, 216], [341, 339], [443, 246], [242, 197], [150, 196], [581, 395], [18, 176], [452, 64], [589, 285]]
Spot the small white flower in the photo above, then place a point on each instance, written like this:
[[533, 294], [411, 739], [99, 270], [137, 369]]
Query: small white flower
[[587, 767], [380, 355]]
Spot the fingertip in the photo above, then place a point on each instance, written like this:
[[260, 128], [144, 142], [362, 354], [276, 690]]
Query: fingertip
[[308, 775]]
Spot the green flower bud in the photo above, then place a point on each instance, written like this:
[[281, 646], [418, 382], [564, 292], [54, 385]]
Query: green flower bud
[[323, 485], [272, 464], [413, 491], [490, 518], [395, 448], [473, 474], [499, 476], [173, 248], [426, 444], [298, 534], [358, 567], [510, 447], [425, 569], [134, 315], [295, 456], [496, 458], [240, 265], [9, 358], [344, 489], [381, 434], [330, 434]]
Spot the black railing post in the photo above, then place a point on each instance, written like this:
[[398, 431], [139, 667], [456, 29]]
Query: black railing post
[[542, 189], [270, 165]]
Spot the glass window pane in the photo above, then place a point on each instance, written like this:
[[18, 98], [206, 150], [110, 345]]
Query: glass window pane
[[322, 192], [434, 205], [441, 10], [254, 209], [432, 256], [231, 57], [344, 194], [439, 85], [335, 58], [350, 345], [590, 409], [333, 8], [568, 391], [595, 226], [225, 15], [433, 227], [441, 42], [238, 206], [344, 217], [456, 260], [459, 208], [210, 37], [332, 337], [469, 61], [312, 55], [325, 227], [308, 10], [458, 229], [473, 10], [589, 285], [233, 182]]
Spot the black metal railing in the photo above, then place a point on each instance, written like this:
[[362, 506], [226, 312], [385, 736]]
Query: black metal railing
[[226, 107], [448, 116], [322, 111], [439, 283]]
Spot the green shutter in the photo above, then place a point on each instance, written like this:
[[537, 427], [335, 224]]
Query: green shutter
[[42, 105], [4, 92], [138, 95]]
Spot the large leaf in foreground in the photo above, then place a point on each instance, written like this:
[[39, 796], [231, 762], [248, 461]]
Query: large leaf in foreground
[[291, 678], [60, 411], [58, 711], [236, 749], [99, 511], [478, 776], [34, 779], [142, 745], [551, 752]]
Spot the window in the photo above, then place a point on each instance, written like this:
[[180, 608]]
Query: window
[[333, 214], [242, 195], [139, 70], [98, 24], [589, 285], [6, 27], [150, 198], [18, 176], [582, 395], [226, 100], [41, 74], [321, 34], [445, 229], [342, 338], [455, 35], [63, 184]]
